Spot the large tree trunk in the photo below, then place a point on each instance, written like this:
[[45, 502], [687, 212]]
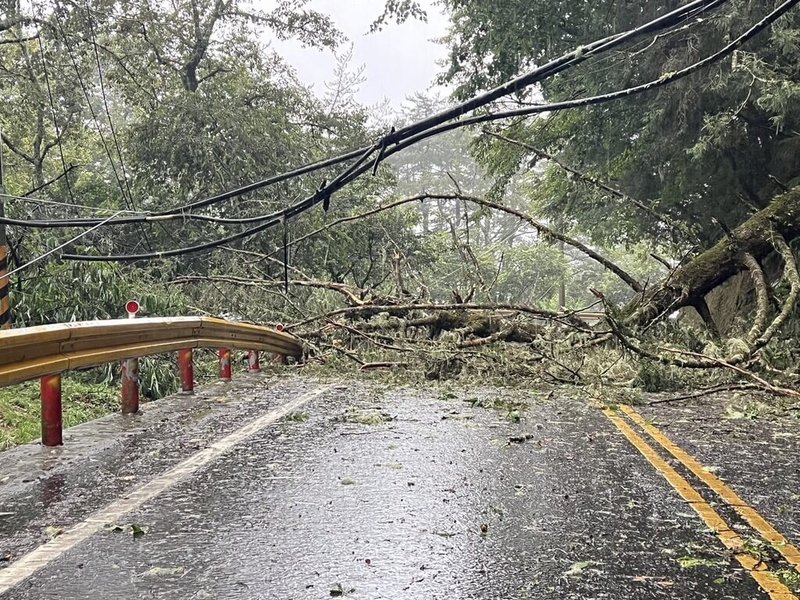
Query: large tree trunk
[[689, 284]]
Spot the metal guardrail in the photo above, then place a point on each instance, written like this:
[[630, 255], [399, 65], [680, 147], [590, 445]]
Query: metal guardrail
[[49, 350], [33, 352]]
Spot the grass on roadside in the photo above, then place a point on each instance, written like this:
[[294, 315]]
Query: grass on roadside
[[20, 408]]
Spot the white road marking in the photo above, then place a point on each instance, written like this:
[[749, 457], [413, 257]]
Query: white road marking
[[21, 569]]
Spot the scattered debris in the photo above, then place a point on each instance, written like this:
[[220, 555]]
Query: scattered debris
[[337, 591], [135, 530], [164, 572], [577, 569]]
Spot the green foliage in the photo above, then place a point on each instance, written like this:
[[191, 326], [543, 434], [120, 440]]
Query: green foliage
[[399, 11], [95, 291], [704, 148], [655, 377]]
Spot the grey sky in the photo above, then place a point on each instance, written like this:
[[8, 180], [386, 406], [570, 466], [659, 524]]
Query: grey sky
[[398, 61]]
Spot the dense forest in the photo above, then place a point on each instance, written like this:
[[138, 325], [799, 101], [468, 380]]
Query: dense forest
[[626, 218]]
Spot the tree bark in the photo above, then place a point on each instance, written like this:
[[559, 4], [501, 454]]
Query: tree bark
[[691, 282]]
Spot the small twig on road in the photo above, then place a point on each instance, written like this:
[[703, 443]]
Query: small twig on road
[[707, 392]]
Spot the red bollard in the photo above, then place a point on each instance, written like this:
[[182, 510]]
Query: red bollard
[[130, 386], [225, 364], [253, 364], [186, 367], [52, 424], [278, 358]]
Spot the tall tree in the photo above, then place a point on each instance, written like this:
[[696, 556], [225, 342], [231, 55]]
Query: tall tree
[[705, 151]]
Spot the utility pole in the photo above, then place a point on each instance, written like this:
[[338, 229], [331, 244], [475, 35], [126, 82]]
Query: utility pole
[[5, 281]]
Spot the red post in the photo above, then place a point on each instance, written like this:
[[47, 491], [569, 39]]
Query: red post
[[278, 358], [130, 386], [52, 424], [253, 364], [225, 364], [186, 367]]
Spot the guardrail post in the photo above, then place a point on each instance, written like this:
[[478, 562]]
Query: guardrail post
[[253, 364], [130, 386], [225, 364], [278, 358], [52, 420], [186, 367]]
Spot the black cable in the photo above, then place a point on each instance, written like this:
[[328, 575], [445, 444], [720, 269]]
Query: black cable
[[55, 118], [280, 216], [89, 104], [181, 212], [108, 112], [554, 67], [275, 179], [691, 10], [129, 202], [359, 167], [570, 59]]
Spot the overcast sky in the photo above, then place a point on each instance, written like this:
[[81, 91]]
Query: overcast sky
[[398, 61]]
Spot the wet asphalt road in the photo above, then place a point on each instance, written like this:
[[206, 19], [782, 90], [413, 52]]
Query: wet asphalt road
[[377, 492]]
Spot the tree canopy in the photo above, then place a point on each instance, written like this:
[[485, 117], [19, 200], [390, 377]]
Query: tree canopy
[[711, 148]]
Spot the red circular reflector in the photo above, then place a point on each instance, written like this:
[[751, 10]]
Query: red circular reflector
[[280, 327], [132, 307]]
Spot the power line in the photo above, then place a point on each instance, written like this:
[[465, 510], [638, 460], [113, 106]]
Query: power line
[[55, 119], [577, 56], [41, 257], [359, 167], [89, 105], [108, 112], [36, 200], [573, 58]]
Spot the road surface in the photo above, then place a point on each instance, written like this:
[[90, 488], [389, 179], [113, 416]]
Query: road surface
[[293, 488]]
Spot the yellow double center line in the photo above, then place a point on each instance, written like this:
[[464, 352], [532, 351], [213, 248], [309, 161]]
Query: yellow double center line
[[732, 540]]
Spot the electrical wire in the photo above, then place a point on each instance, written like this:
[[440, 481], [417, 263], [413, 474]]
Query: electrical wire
[[55, 118], [89, 105], [360, 167], [37, 200], [41, 257], [101, 79], [691, 10]]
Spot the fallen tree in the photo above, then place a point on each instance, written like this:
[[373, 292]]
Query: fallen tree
[[690, 283]]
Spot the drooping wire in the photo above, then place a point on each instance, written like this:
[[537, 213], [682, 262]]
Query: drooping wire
[[694, 9], [55, 117], [571, 59], [89, 105], [111, 127], [41, 257], [37, 200], [129, 202], [359, 167]]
